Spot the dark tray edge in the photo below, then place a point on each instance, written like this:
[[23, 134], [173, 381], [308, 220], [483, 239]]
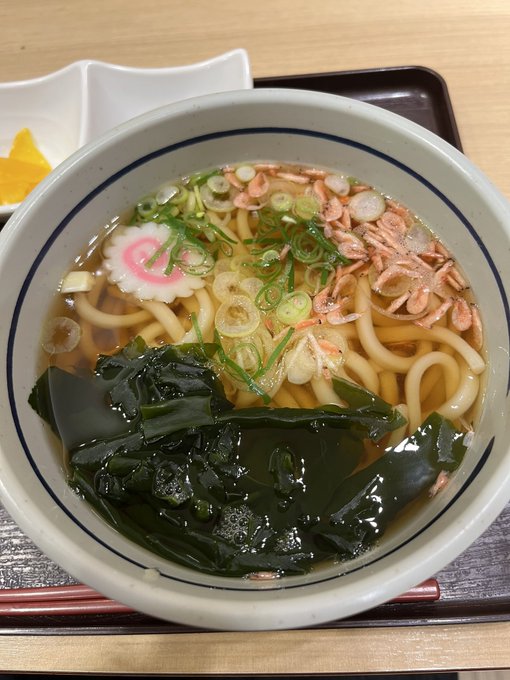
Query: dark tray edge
[[434, 80]]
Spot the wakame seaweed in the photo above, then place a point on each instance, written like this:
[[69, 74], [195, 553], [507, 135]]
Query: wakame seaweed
[[159, 451]]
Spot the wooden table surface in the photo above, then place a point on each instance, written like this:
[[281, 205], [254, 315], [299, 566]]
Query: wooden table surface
[[467, 42]]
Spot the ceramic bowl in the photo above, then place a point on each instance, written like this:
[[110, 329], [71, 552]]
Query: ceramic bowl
[[107, 176], [68, 108]]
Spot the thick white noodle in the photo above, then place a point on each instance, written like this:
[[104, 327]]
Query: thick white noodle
[[367, 335], [104, 320], [205, 317], [303, 397], [465, 396], [325, 393], [474, 360], [398, 435], [284, 399], [167, 318], [389, 386], [372, 339], [413, 380], [150, 332], [363, 369], [243, 228]]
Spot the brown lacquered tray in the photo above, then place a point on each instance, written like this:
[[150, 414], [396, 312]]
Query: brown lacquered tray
[[474, 588]]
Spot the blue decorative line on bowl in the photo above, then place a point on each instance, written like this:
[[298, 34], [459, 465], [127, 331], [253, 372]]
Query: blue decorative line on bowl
[[183, 144]]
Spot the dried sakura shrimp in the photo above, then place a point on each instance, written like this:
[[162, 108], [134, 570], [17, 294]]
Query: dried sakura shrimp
[[407, 266]]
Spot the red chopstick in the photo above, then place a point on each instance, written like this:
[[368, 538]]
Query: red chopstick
[[80, 599], [428, 591], [48, 593], [62, 600]]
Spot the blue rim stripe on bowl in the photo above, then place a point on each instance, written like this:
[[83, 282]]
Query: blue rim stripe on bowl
[[189, 142]]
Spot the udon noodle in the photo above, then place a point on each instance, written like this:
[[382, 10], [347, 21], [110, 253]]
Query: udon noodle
[[299, 276]]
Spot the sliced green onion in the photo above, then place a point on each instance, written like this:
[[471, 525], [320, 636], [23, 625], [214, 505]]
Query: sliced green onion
[[181, 197], [166, 193], [281, 201], [269, 218], [247, 356], [275, 354], [192, 259], [338, 184], [294, 307], [196, 328], [200, 178], [191, 202], [288, 219], [266, 271], [213, 202], [218, 184], [318, 274], [221, 246], [270, 256], [147, 207], [334, 255], [325, 273], [225, 285], [169, 243], [306, 207], [245, 173], [305, 247], [237, 262], [291, 272], [367, 206], [169, 210], [237, 317], [202, 225], [251, 285], [286, 278], [240, 372], [269, 296], [60, 334], [198, 198]]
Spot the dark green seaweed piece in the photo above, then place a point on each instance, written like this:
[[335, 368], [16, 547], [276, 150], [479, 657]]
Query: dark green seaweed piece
[[172, 415], [75, 408], [365, 503], [175, 468]]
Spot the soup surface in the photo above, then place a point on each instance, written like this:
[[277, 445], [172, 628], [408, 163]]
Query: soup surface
[[260, 368]]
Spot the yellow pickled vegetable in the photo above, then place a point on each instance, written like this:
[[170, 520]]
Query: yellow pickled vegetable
[[22, 170], [13, 191]]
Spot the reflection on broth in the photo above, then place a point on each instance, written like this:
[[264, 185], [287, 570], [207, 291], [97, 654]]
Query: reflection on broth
[[274, 361]]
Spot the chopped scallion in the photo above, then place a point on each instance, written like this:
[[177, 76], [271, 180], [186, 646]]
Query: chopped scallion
[[269, 296], [147, 207], [305, 247], [306, 207], [196, 328], [245, 173], [275, 354], [281, 201], [218, 184], [247, 356], [239, 372], [317, 275], [294, 307]]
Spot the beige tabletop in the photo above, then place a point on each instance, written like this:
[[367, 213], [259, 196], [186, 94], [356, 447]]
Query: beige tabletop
[[468, 43]]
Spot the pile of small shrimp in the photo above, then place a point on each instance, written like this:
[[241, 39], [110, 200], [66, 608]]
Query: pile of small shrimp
[[419, 277]]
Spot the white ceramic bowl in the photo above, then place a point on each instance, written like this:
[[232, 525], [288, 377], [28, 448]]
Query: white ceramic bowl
[[102, 180], [68, 108]]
